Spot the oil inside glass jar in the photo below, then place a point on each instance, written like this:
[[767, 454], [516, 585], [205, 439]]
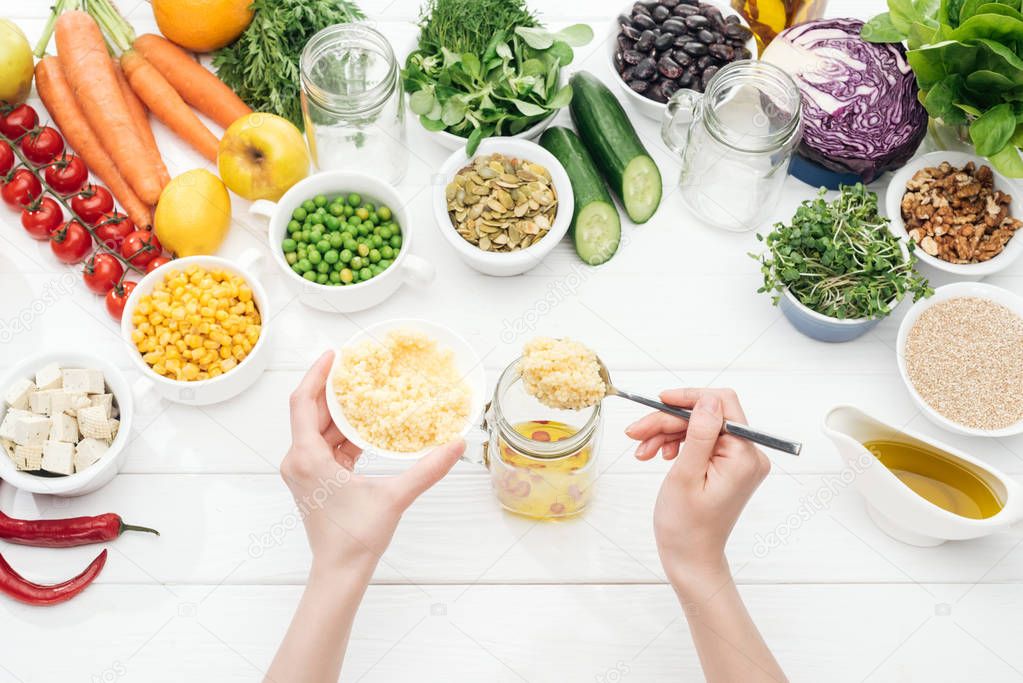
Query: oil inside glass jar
[[543, 488], [949, 483]]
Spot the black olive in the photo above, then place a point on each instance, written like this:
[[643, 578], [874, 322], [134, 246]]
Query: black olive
[[638, 85], [732, 19], [646, 41], [695, 49], [686, 79], [669, 88], [632, 57], [624, 43], [664, 41], [669, 68], [685, 11], [681, 57], [696, 22], [643, 22], [703, 62], [707, 75], [630, 32], [618, 61], [673, 26], [641, 8], [738, 32], [722, 53], [645, 69], [705, 36], [660, 13], [743, 53]]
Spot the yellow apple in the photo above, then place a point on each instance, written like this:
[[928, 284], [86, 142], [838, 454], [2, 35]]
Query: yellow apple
[[261, 156], [15, 63]]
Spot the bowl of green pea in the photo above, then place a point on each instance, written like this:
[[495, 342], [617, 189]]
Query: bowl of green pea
[[342, 240]]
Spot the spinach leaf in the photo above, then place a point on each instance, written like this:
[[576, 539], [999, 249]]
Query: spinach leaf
[[993, 129]]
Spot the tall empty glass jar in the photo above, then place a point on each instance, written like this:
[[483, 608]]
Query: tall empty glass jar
[[352, 102], [735, 142]]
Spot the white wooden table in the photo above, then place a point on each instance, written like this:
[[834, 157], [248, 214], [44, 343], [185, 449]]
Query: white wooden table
[[467, 592]]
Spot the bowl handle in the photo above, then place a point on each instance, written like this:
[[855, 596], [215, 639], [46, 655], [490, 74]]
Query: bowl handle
[[263, 207], [251, 260], [419, 272]]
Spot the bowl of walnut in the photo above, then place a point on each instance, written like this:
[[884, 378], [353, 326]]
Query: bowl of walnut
[[963, 216]]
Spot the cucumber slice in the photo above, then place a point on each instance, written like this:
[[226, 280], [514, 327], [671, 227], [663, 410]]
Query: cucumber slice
[[597, 231]]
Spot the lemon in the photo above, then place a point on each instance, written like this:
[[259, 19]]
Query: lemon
[[16, 63], [193, 214]]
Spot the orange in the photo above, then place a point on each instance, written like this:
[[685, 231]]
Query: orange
[[202, 25]]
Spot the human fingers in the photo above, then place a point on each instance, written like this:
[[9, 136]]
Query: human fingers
[[648, 449], [686, 398], [430, 469], [305, 419], [653, 424], [669, 451], [701, 438]]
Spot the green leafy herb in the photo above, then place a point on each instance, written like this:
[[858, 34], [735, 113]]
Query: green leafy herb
[[839, 258], [262, 65], [486, 67]]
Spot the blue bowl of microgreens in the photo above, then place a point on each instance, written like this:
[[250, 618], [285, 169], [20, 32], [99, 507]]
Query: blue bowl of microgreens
[[835, 269], [341, 240]]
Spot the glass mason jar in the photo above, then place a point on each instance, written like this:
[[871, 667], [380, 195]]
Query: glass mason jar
[[542, 461], [352, 102], [735, 142]]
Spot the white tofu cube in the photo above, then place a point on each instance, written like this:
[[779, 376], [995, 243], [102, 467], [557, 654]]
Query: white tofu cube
[[83, 380], [64, 428], [104, 400], [88, 452], [18, 393], [94, 423], [48, 377], [28, 457], [30, 430], [68, 402], [10, 419], [8, 446], [40, 401], [59, 457]]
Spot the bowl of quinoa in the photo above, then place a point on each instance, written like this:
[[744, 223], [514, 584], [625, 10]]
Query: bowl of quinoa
[[961, 358], [402, 387], [561, 373]]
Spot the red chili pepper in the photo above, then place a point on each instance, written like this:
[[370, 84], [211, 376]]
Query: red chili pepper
[[18, 587], [64, 533]]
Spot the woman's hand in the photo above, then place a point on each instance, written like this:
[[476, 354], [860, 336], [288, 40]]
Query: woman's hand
[[708, 485], [349, 518]]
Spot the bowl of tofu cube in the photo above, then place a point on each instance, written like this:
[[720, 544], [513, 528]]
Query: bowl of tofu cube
[[64, 421]]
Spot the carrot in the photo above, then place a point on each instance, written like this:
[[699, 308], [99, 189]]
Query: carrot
[[90, 73], [58, 99], [197, 86], [165, 102], [141, 118]]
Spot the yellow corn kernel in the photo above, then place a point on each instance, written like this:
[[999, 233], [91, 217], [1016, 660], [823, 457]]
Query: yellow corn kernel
[[190, 371]]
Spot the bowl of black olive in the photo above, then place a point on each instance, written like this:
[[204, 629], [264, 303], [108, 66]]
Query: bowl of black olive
[[664, 46]]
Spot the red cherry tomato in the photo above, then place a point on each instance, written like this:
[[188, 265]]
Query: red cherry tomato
[[18, 121], [42, 217], [67, 174], [117, 297], [21, 189], [43, 145], [71, 242], [6, 158], [91, 203], [141, 247], [112, 228], [156, 263], [102, 272]]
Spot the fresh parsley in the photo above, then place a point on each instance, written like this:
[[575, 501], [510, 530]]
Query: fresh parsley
[[840, 259]]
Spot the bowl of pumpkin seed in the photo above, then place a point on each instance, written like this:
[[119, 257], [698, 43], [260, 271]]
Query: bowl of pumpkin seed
[[504, 208]]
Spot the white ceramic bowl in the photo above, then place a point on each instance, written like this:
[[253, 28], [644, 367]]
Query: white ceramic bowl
[[104, 469], [207, 391], [515, 262], [959, 289], [455, 142], [348, 298], [893, 207], [469, 365], [645, 105]]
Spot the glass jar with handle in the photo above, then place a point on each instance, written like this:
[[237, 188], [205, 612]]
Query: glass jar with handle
[[735, 142]]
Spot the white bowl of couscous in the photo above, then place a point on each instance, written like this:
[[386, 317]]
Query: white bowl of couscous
[[402, 387], [222, 351]]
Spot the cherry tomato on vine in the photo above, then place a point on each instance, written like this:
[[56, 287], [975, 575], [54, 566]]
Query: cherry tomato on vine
[[156, 263], [141, 247], [6, 158], [21, 189], [42, 217], [43, 145], [71, 242], [18, 121], [91, 203], [67, 174], [102, 272], [112, 228], [117, 297]]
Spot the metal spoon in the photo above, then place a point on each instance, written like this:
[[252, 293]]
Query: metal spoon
[[735, 429]]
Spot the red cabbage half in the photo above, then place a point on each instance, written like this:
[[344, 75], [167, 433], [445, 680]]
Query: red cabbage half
[[861, 114]]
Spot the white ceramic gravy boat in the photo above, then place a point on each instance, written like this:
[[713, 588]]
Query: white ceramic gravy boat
[[898, 510]]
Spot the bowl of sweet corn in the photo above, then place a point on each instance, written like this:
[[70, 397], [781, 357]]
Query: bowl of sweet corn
[[195, 327]]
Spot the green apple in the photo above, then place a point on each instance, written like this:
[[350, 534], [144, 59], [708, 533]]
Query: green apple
[[261, 156]]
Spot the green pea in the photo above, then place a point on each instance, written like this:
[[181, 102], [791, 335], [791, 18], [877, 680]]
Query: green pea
[[350, 244], [299, 214], [336, 209], [323, 246], [396, 241], [320, 200], [332, 222], [362, 213], [331, 256], [385, 232], [303, 265], [354, 200], [309, 206], [310, 275], [314, 256], [335, 277], [346, 276], [336, 240], [316, 219], [294, 226], [291, 258], [377, 241], [386, 251], [365, 273], [322, 267], [349, 210], [355, 220], [385, 263], [364, 230], [363, 250], [374, 256], [384, 213], [356, 262], [345, 256], [288, 245]]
